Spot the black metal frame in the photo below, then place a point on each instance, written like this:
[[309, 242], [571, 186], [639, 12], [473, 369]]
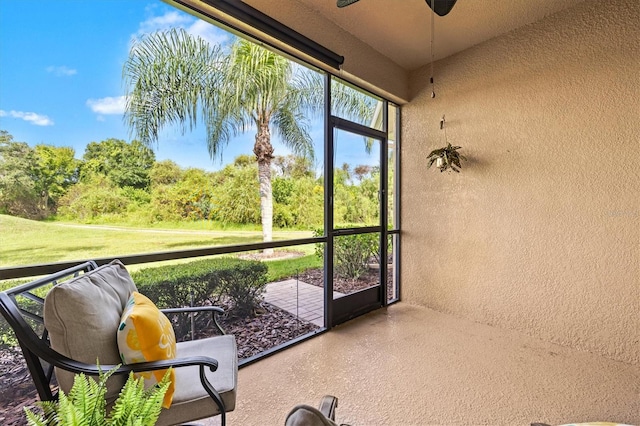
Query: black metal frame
[[52, 268], [355, 304], [269, 26], [41, 358]]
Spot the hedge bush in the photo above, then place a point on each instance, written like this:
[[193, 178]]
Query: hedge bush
[[196, 283], [243, 286], [351, 253]]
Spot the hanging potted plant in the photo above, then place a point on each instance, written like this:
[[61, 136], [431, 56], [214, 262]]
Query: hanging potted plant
[[446, 158]]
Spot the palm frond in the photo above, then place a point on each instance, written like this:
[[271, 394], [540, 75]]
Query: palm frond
[[346, 101], [258, 78], [351, 104], [293, 128], [169, 75]]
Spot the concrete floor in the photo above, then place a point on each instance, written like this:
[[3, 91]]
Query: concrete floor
[[409, 365]]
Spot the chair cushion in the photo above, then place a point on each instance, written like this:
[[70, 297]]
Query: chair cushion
[[83, 315], [146, 334], [190, 399]]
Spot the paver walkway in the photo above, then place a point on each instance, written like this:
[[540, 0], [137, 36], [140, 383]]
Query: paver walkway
[[303, 300]]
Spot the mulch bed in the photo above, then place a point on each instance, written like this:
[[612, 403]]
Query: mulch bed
[[270, 327], [346, 285], [16, 387]]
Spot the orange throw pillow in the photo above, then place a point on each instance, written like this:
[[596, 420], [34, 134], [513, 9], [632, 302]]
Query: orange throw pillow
[[146, 334]]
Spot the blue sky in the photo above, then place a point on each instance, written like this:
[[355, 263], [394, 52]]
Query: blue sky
[[61, 76]]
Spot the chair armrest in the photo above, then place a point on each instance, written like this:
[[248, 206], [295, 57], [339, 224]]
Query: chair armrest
[[202, 362], [58, 360], [214, 309], [194, 309]]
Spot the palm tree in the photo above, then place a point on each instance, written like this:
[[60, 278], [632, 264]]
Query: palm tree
[[174, 78]]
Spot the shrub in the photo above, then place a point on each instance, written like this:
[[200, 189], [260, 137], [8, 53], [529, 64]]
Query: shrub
[[164, 204], [189, 284], [244, 285], [307, 203], [282, 190], [189, 198], [282, 216], [85, 201], [237, 196], [202, 281], [165, 172], [351, 253], [136, 195]]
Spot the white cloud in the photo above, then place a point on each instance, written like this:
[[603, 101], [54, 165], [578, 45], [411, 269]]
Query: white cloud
[[210, 33], [193, 26], [31, 117], [166, 21], [108, 105], [61, 71]]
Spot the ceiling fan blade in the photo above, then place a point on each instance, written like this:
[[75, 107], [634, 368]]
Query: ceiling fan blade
[[343, 3], [442, 7]]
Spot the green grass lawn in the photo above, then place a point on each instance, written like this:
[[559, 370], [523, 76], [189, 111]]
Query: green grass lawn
[[279, 269], [28, 242]]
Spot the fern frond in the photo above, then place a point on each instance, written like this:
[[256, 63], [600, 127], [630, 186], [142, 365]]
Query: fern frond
[[137, 406], [126, 404], [67, 413], [152, 401], [85, 404], [80, 393], [49, 414], [34, 419], [49, 411]]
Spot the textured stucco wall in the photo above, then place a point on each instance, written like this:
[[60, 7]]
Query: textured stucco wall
[[541, 230]]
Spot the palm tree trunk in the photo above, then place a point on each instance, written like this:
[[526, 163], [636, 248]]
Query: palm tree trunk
[[264, 154], [44, 199]]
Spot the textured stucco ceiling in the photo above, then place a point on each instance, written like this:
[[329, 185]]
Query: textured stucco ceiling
[[401, 29]]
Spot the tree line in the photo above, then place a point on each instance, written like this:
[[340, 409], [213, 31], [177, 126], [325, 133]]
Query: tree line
[[174, 78], [121, 181]]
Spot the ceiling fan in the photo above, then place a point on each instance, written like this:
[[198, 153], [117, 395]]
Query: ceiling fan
[[441, 7]]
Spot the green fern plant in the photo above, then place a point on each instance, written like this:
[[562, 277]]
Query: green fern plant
[[86, 405], [445, 158]]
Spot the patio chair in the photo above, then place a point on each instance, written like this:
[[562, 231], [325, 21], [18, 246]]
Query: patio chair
[[76, 324], [306, 415]]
